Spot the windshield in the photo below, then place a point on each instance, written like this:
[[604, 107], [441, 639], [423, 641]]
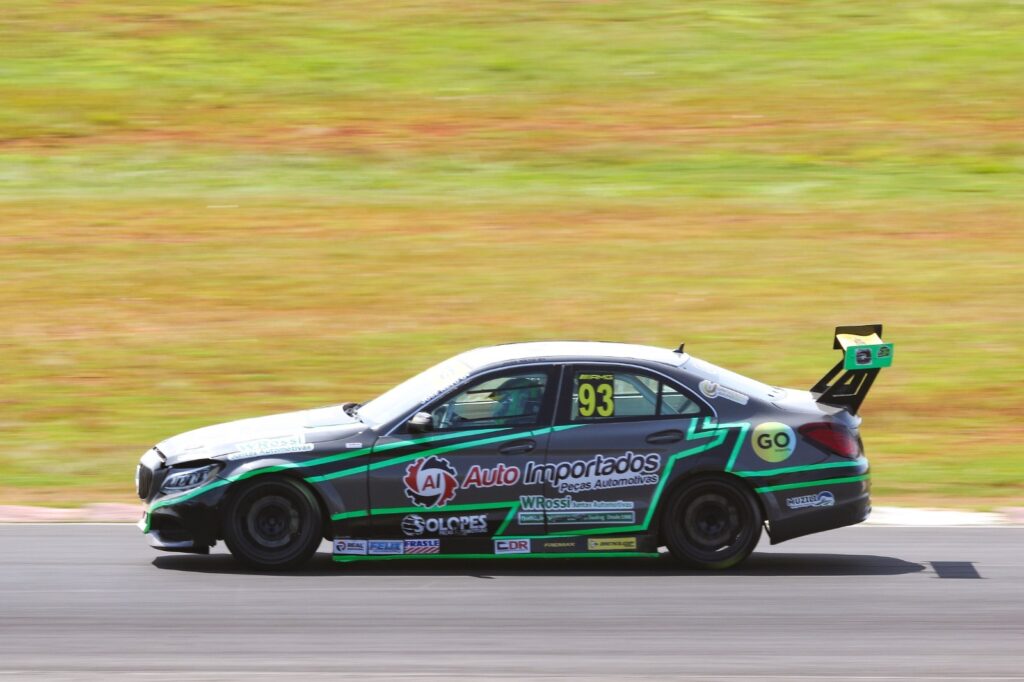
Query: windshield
[[413, 392]]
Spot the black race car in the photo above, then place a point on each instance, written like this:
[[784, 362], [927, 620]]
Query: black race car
[[564, 449]]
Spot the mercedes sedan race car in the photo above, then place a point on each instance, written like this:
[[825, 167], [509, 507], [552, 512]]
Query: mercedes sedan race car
[[565, 449]]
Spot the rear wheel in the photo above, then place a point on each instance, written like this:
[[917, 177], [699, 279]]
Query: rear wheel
[[712, 522], [272, 524]]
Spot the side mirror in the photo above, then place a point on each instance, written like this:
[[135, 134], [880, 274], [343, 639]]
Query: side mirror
[[420, 422]]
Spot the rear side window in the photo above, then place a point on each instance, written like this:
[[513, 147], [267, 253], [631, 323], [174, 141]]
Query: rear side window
[[603, 394]]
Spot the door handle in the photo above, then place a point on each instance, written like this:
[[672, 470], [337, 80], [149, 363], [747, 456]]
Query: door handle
[[517, 447], [670, 436]]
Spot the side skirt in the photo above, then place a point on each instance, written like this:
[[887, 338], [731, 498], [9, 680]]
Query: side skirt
[[542, 555]]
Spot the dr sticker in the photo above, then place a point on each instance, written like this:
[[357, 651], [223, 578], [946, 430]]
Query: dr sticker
[[773, 441]]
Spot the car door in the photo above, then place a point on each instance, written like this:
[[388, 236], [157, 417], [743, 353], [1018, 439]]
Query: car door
[[450, 486], [623, 423]]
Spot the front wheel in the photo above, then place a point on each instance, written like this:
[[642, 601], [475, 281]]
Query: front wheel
[[712, 523], [273, 524]]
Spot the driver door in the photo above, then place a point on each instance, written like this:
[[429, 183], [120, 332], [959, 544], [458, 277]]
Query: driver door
[[457, 482]]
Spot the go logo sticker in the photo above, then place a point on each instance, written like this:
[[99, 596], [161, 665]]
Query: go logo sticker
[[773, 441]]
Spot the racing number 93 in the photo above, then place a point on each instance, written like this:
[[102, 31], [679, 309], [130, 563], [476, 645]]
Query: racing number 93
[[597, 395]]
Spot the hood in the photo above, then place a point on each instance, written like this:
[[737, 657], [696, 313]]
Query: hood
[[275, 434]]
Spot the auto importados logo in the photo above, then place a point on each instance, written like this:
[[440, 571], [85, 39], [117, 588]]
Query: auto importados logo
[[430, 482], [597, 473]]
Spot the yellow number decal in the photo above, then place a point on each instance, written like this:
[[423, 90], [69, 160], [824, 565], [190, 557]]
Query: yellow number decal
[[607, 406], [588, 400]]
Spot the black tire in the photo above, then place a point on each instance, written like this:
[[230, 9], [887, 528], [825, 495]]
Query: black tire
[[712, 522], [273, 524]]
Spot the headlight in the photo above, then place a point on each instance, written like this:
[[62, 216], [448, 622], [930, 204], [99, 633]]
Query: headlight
[[184, 479]]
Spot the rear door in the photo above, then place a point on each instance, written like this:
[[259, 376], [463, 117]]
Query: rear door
[[459, 482], [601, 473]]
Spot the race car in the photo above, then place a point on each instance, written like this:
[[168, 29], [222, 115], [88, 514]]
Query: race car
[[548, 449]]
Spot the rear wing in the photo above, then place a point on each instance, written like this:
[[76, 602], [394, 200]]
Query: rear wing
[[864, 354]]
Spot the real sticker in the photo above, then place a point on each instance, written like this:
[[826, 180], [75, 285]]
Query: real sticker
[[773, 441]]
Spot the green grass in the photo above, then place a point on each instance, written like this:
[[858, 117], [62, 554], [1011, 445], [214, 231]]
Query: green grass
[[212, 210]]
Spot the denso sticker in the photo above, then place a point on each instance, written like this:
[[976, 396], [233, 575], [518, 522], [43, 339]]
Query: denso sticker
[[430, 482], [422, 546], [606, 544], [600, 472], [823, 499], [349, 546], [272, 446], [466, 524], [511, 546], [386, 546], [773, 441]]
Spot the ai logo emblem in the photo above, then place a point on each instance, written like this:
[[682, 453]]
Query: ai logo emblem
[[430, 482], [773, 441]]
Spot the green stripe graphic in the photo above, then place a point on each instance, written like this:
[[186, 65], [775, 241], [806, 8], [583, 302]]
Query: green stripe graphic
[[797, 469], [811, 484], [438, 451], [717, 434], [345, 558], [339, 457]]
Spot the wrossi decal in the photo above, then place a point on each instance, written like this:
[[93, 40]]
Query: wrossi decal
[[422, 546], [482, 477], [415, 525], [430, 482], [773, 441], [600, 472], [567, 510], [823, 499], [272, 446], [511, 546]]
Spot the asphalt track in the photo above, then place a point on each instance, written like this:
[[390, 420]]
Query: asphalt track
[[94, 602]]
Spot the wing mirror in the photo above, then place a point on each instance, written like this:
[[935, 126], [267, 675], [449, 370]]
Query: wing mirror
[[420, 422]]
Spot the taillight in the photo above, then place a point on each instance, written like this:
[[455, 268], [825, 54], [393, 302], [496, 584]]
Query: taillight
[[832, 438]]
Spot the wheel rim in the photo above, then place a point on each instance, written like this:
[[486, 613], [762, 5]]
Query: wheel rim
[[714, 522], [272, 521], [711, 521]]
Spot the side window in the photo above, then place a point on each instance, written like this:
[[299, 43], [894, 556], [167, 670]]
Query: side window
[[513, 399], [601, 394]]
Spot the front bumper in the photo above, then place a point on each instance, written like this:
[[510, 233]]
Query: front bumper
[[189, 525]]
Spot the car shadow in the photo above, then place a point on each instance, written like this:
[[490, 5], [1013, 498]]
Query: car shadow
[[759, 564]]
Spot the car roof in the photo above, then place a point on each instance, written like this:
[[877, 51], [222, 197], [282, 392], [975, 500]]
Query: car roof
[[562, 350]]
